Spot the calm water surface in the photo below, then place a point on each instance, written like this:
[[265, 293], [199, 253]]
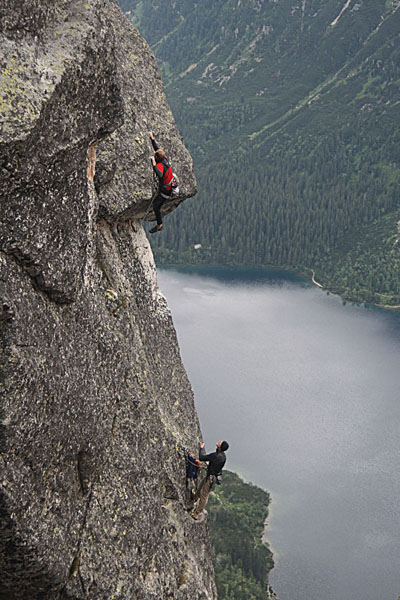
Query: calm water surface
[[306, 391]]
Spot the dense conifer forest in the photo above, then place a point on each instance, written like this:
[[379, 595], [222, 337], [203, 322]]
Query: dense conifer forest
[[291, 110], [237, 513]]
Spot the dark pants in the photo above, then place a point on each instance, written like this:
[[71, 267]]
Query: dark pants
[[157, 204]]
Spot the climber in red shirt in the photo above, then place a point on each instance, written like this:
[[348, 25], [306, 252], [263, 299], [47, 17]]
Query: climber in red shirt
[[163, 170]]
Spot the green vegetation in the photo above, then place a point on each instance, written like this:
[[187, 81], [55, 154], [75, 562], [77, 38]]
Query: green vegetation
[[368, 271], [237, 513], [293, 120]]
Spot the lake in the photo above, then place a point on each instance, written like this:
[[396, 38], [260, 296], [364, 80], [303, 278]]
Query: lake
[[306, 391]]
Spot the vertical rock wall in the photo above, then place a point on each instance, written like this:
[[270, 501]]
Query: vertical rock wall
[[95, 402]]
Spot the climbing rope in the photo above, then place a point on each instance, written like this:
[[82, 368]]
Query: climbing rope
[[148, 209]]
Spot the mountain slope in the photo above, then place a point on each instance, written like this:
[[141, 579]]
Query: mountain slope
[[291, 111]]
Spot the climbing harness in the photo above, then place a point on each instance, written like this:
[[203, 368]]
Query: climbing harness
[[173, 183]]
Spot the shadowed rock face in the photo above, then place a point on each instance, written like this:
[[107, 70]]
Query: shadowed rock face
[[95, 401]]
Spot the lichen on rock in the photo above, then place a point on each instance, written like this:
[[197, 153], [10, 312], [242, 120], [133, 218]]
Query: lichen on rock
[[95, 402]]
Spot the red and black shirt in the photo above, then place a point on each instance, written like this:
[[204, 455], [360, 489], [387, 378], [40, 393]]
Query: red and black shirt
[[163, 170]]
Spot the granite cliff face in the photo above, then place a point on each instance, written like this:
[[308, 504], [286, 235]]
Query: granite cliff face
[[95, 401]]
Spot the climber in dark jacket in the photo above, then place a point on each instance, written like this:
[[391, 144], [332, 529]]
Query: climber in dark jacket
[[163, 170], [216, 461]]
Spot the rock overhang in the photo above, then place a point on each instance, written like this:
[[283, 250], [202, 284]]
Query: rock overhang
[[79, 93]]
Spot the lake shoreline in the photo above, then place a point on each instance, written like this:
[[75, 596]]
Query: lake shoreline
[[299, 273]]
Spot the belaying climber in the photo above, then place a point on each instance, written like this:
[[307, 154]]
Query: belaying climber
[[216, 461], [163, 170]]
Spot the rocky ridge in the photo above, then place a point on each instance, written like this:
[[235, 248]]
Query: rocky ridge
[[95, 400]]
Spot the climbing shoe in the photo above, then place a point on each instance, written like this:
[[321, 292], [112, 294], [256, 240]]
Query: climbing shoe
[[156, 228]]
